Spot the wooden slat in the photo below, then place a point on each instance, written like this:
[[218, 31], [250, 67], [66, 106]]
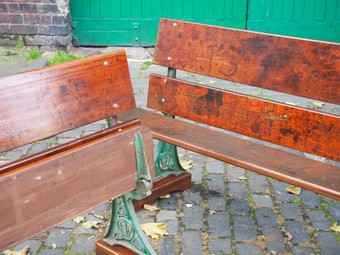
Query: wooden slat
[[37, 196], [44, 102], [295, 66], [306, 173], [302, 129]]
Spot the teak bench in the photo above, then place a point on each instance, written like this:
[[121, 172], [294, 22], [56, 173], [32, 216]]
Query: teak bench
[[298, 67], [47, 188]]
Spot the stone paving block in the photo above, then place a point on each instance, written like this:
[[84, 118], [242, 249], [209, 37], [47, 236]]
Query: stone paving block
[[34, 246], [274, 240], [220, 246], [290, 211], [191, 242], [248, 249], [83, 244], [190, 197], [328, 243], [310, 199], [215, 167], [266, 217], [196, 174], [262, 200], [217, 203], [171, 218], [258, 183], [216, 184], [199, 160], [219, 224], [193, 216], [298, 232], [51, 252], [281, 195], [244, 228], [318, 220], [38, 147], [334, 210], [237, 191], [59, 237], [167, 246], [302, 251], [169, 203], [233, 172], [239, 207], [13, 155], [101, 210], [68, 224]]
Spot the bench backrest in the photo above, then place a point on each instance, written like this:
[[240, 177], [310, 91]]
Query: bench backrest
[[299, 67], [37, 104], [50, 187]]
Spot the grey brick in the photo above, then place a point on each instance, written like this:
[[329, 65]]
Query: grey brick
[[266, 217], [83, 244], [167, 246], [248, 249], [258, 183], [302, 251], [196, 174], [216, 184], [318, 220], [169, 203], [328, 243], [193, 216], [282, 195], [38, 147], [216, 167], [217, 203], [220, 246], [290, 211], [239, 207], [58, 236], [233, 172], [298, 232], [237, 190], [334, 210], [68, 224], [51, 252], [34, 246], [244, 228], [262, 200], [219, 224], [190, 196], [171, 218], [310, 199], [191, 243], [274, 240]]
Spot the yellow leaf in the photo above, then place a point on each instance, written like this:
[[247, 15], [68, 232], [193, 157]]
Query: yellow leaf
[[24, 251], [318, 104], [291, 103], [79, 219], [293, 189], [90, 224], [335, 228], [150, 208], [242, 178], [165, 196], [187, 164], [155, 229], [54, 246]]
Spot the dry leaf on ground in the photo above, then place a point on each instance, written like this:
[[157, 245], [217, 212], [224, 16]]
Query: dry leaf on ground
[[335, 228], [187, 164], [294, 190], [79, 219], [289, 236], [242, 178], [90, 224], [154, 229], [150, 208], [165, 196], [24, 251], [319, 104]]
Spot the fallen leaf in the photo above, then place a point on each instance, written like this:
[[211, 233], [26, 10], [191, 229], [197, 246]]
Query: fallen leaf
[[188, 205], [165, 196], [289, 236], [187, 164], [154, 229], [293, 189], [150, 208], [319, 104], [242, 178], [211, 212], [211, 81], [90, 224], [335, 228], [54, 246], [98, 216], [24, 251], [79, 219], [290, 103]]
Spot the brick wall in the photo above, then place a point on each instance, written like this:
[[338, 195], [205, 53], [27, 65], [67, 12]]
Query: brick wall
[[37, 22]]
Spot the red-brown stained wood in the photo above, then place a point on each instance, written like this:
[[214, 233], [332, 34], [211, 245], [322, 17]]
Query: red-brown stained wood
[[37, 196], [103, 248], [44, 102], [289, 126], [313, 175], [295, 66]]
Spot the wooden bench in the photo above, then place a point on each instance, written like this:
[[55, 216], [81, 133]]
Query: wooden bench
[[304, 68], [45, 189]]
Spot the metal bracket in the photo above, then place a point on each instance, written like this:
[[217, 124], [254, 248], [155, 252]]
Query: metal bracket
[[124, 226]]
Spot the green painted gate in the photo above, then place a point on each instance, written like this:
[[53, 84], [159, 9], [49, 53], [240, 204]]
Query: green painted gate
[[135, 22]]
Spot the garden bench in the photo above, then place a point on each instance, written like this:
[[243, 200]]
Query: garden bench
[[45, 189], [298, 67]]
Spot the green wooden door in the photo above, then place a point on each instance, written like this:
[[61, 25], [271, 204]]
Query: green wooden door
[[314, 19], [135, 22]]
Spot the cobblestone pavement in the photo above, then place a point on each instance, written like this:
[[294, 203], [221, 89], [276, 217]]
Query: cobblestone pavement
[[228, 210]]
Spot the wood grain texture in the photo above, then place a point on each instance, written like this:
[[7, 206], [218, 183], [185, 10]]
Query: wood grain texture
[[37, 196], [103, 248], [38, 104], [295, 66], [313, 175], [290, 126]]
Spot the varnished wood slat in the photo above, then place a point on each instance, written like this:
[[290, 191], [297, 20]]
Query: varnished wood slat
[[103, 248], [44, 102], [309, 174], [295, 66], [44, 193], [290, 126]]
